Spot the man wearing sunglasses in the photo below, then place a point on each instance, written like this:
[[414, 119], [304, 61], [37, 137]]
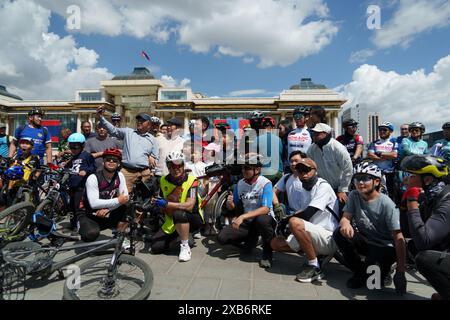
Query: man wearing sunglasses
[[181, 205], [312, 225], [383, 152], [105, 199], [40, 135], [414, 144], [332, 159], [370, 226], [251, 202], [81, 165], [299, 139]]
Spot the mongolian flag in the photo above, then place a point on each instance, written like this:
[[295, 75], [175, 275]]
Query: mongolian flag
[[144, 55]]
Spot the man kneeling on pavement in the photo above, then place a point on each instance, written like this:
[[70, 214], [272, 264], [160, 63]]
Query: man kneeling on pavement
[[312, 226]]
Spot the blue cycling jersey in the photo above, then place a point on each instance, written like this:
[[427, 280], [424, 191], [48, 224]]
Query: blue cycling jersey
[[410, 147]]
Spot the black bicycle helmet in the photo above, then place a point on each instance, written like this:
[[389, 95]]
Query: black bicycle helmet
[[36, 111], [446, 126], [417, 124], [349, 122], [425, 164]]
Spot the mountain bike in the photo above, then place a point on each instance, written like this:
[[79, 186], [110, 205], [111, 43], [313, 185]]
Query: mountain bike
[[108, 277], [55, 203], [14, 220], [227, 181]]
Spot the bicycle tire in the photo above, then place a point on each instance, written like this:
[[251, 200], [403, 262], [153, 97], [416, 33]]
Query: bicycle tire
[[219, 218], [27, 209], [51, 210], [89, 267]]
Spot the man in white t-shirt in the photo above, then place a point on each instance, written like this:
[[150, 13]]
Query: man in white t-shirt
[[287, 190], [168, 143], [299, 138], [313, 225], [251, 202]]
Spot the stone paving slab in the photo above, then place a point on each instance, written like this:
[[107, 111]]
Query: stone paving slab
[[223, 273]]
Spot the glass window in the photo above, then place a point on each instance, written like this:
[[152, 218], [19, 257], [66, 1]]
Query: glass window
[[174, 95], [90, 96]]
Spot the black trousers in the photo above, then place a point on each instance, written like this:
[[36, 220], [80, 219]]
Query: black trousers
[[89, 226], [76, 196], [352, 248], [435, 267], [160, 241], [249, 231]]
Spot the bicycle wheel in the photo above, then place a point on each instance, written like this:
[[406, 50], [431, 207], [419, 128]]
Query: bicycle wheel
[[220, 211], [54, 211], [14, 219], [133, 280]]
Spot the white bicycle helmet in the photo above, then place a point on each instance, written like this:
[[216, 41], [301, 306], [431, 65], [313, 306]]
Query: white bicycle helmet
[[367, 167], [176, 157], [154, 119]]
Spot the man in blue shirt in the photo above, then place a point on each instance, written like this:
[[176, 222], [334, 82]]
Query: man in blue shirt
[[40, 135]]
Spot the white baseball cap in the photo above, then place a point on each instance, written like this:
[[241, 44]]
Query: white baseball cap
[[322, 127]]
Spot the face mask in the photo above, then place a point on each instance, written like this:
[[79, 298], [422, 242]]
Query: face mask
[[310, 183]]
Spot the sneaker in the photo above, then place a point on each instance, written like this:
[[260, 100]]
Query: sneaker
[[357, 281], [323, 260], [266, 260], [309, 273], [185, 253]]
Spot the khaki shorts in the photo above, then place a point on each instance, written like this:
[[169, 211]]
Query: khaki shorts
[[322, 240], [132, 175]]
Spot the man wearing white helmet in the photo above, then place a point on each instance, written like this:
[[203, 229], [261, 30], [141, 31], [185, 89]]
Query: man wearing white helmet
[[180, 203], [374, 232]]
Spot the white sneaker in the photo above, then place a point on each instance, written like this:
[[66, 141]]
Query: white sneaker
[[185, 253], [197, 235]]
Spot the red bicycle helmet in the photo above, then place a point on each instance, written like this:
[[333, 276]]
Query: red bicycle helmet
[[268, 120], [113, 153]]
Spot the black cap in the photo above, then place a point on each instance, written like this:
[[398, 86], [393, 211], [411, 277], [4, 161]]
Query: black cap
[[144, 116], [174, 121]]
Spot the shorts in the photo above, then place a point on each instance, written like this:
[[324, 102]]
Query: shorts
[[322, 240]]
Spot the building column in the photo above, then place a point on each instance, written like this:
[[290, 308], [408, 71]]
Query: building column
[[186, 122], [335, 122]]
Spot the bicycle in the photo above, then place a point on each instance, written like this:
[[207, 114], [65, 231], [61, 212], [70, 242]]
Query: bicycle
[[108, 276], [14, 220], [55, 204], [226, 173]]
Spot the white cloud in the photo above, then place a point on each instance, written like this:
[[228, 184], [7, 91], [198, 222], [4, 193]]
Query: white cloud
[[37, 64], [412, 18], [278, 32], [361, 56], [171, 82], [249, 92], [401, 98], [248, 59]]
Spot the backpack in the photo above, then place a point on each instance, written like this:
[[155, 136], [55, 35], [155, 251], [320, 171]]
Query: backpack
[[21, 128]]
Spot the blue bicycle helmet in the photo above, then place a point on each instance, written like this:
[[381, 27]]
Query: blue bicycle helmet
[[388, 125], [76, 138], [14, 173]]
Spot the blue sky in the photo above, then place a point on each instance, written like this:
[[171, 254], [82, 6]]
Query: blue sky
[[217, 76]]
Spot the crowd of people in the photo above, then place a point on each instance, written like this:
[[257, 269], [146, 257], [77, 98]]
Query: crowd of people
[[299, 189]]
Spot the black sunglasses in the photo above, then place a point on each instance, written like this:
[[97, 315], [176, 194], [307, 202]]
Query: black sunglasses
[[74, 147], [303, 169], [111, 160], [362, 178]]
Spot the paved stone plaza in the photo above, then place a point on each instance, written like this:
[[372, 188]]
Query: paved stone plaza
[[222, 273]]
